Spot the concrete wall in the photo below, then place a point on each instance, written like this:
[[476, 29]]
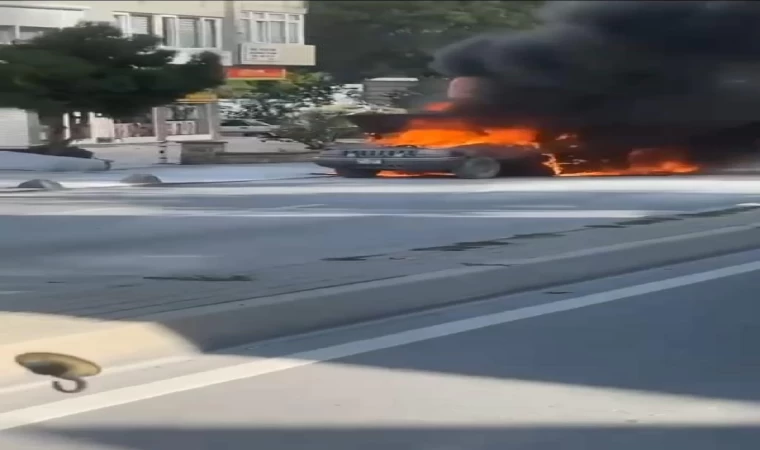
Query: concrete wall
[[250, 52], [15, 128], [39, 14], [103, 10], [296, 7]]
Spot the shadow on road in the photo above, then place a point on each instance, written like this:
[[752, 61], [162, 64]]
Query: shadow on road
[[435, 437]]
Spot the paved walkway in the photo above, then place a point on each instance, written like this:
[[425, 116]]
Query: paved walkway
[[144, 158], [130, 156], [170, 174]]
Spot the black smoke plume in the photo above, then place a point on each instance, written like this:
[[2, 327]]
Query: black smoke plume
[[677, 65]]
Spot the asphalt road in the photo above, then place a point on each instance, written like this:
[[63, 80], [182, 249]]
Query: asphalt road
[[662, 359], [244, 227]]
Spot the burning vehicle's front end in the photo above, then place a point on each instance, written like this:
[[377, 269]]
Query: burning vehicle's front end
[[368, 160]]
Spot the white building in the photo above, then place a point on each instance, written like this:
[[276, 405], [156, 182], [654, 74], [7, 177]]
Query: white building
[[256, 39]]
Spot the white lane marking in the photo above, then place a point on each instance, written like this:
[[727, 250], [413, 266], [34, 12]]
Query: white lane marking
[[539, 206], [263, 366], [313, 205], [471, 214], [34, 211], [303, 211]]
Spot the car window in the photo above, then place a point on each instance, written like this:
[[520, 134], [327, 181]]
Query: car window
[[258, 124], [233, 123]]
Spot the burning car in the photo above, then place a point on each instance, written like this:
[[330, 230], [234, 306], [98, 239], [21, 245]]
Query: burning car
[[476, 161], [443, 140], [464, 138], [433, 142], [436, 143]]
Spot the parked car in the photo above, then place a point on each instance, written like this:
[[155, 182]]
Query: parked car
[[247, 127]]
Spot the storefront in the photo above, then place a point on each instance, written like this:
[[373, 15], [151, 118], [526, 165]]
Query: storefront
[[192, 117], [253, 73]]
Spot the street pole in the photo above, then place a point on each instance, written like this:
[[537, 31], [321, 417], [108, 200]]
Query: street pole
[[162, 133], [162, 147]]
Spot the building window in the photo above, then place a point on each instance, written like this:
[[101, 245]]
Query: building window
[[122, 22], [272, 28], [210, 33], [246, 27], [7, 34], [177, 32], [278, 30], [139, 24], [260, 28], [26, 33], [134, 24], [169, 31], [294, 29], [189, 33]]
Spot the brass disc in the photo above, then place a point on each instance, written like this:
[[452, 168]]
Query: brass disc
[[57, 365]]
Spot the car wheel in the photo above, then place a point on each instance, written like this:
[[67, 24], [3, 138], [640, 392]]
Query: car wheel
[[356, 173], [478, 168]]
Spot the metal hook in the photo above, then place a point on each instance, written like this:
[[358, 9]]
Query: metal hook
[[79, 385], [61, 367]]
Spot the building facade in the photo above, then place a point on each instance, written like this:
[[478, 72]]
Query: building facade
[[257, 40]]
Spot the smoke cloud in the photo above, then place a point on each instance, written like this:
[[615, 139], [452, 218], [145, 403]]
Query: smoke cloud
[[597, 63]]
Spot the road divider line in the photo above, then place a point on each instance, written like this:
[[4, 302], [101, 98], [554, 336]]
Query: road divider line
[[312, 205], [263, 366], [539, 206]]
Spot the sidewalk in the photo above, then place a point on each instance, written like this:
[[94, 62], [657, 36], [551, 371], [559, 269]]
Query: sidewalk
[[126, 318], [131, 156], [144, 159], [169, 174]]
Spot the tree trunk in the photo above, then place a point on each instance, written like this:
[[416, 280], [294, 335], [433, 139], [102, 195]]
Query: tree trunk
[[55, 133], [79, 126]]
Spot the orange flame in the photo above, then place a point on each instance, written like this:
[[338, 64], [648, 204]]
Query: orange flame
[[438, 106], [654, 161], [453, 133], [447, 133]]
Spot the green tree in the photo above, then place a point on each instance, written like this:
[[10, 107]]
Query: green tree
[[234, 89], [362, 39], [275, 101], [93, 68], [302, 106]]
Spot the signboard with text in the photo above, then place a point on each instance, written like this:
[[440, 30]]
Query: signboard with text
[[256, 73], [259, 54], [199, 97]]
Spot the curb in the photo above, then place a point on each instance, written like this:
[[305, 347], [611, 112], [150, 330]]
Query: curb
[[15, 190], [226, 325]]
